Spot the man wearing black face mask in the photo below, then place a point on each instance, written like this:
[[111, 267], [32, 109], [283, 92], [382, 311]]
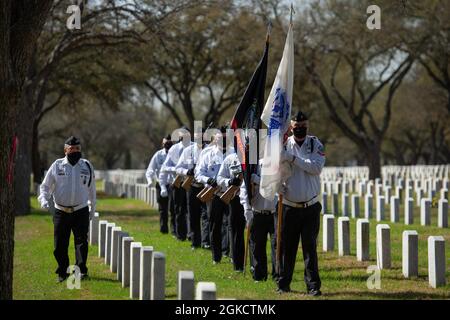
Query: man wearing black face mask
[[152, 175], [304, 156], [71, 182]]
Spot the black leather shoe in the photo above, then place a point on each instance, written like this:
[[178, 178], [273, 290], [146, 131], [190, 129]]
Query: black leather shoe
[[283, 290], [314, 292], [62, 278], [84, 276]]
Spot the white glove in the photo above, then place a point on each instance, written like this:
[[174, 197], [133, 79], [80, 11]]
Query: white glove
[[163, 193], [248, 216], [45, 206], [255, 178], [285, 156]]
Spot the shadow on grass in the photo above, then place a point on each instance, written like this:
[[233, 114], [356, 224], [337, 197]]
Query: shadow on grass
[[130, 213], [411, 295], [91, 278]]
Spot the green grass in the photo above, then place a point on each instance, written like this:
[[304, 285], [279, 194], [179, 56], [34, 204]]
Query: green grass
[[342, 277]]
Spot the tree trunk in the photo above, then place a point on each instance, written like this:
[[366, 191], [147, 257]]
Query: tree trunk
[[9, 97], [374, 160], [20, 25], [22, 172], [35, 155]]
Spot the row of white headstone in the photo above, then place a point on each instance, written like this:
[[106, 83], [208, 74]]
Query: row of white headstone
[[394, 204], [410, 260], [139, 267], [138, 191]]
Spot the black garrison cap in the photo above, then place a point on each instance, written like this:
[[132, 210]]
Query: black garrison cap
[[300, 116], [72, 141]]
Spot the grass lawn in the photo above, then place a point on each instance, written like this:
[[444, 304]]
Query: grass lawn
[[342, 277]]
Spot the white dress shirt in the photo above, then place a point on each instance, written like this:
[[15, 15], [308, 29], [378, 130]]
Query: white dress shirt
[[167, 172], [188, 159], [225, 172], [258, 203], [69, 185], [304, 182], [155, 165], [209, 163]]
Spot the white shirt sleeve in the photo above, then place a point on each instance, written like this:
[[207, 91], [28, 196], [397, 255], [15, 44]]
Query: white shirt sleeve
[[224, 174], [315, 164], [202, 169], [182, 166], [244, 198], [151, 170], [92, 189], [169, 165], [47, 186]]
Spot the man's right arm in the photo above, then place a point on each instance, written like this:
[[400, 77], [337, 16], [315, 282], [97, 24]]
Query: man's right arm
[[202, 169], [150, 173], [47, 187]]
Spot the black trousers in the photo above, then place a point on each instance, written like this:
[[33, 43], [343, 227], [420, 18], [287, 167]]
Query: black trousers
[[65, 223], [195, 208], [171, 196], [237, 227], [263, 225], [226, 230], [180, 214], [299, 224], [217, 210], [163, 206], [206, 238]]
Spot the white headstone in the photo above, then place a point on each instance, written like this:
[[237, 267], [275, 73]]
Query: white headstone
[[380, 208], [126, 261], [145, 279], [114, 248], [186, 285], [443, 213], [135, 255], [383, 246], [328, 232], [206, 291], [436, 261], [355, 206], [109, 228], [102, 238], [158, 276], [409, 211], [344, 236], [395, 209], [362, 239], [410, 256], [368, 206], [425, 208], [93, 229]]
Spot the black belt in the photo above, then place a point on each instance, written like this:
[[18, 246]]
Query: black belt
[[263, 212]]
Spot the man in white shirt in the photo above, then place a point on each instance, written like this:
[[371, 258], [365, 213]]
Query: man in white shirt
[[229, 176], [186, 167], [71, 183], [152, 175], [304, 156], [177, 196], [259, 215], [206, 173]]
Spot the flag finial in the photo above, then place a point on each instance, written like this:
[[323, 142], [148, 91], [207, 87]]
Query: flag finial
[[292, 13], [269, 30]]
